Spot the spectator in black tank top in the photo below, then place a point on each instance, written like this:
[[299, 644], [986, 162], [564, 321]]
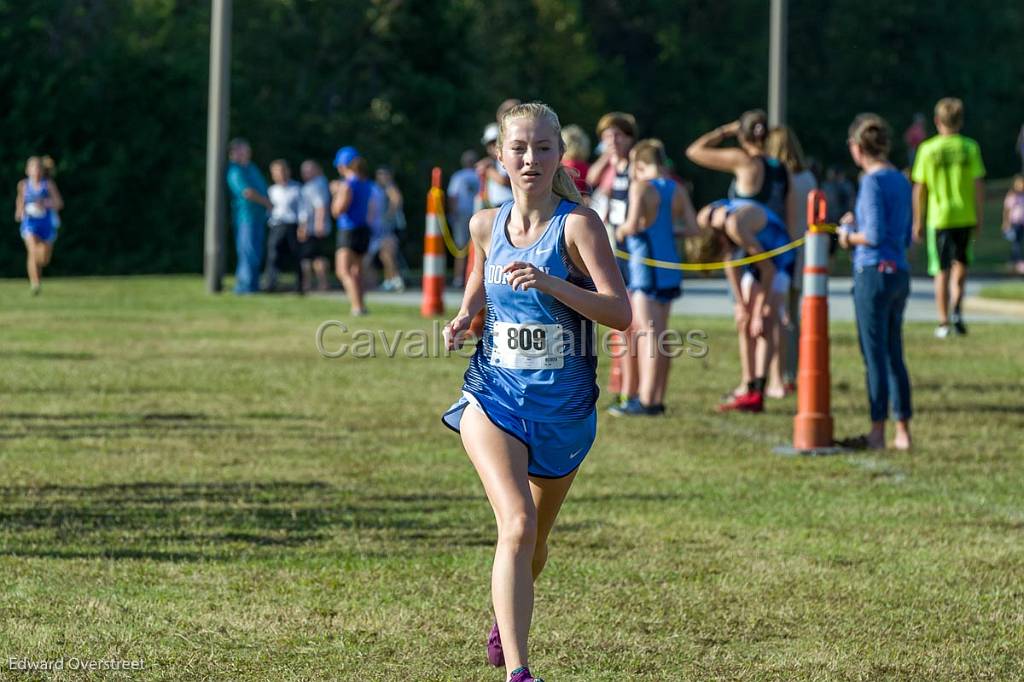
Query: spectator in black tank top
[[756, 176]]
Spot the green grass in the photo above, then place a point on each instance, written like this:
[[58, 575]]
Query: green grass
[[186, 481], [1010, 291]]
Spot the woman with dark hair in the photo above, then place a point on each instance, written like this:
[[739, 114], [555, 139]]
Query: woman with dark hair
[[764, 180], [756, 176], [879, 233]]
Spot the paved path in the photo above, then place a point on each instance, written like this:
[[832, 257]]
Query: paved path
[[710, 297]]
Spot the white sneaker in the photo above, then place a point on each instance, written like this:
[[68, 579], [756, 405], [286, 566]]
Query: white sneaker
[[942, 331], [397, 284]]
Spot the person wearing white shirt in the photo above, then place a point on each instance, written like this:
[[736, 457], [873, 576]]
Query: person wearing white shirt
[[283, 241]]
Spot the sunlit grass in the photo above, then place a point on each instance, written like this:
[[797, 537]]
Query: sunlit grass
[[186, 481]]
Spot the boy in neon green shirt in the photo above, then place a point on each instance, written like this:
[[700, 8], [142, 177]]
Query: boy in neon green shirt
[[949, 192]]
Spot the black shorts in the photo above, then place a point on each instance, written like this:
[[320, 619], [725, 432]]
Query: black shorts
[[357, 239], [317, 247], [951, 243]]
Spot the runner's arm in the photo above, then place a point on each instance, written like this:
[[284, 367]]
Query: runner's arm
[[979, 203], [704, 150], [19, 202], [342, 200], [596, 170], [56, 200], [743, 236], [587, 242], [637, 218], [473, 296], [683, 213], [920, 209]]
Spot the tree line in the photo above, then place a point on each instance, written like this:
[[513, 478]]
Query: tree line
[[115, 91]]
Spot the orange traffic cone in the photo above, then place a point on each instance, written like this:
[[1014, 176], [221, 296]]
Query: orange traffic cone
[[812, 427], [433, 253]]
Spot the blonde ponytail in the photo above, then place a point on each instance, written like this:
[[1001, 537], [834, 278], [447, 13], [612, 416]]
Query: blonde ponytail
[[564, 186]]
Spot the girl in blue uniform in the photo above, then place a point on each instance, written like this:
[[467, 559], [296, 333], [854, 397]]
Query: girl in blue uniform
[[36, 209], [746, 226], [527, 415], [657, 205], [351, 206]]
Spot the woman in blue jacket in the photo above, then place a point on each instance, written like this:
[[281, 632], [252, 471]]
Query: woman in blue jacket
[[879, 233]]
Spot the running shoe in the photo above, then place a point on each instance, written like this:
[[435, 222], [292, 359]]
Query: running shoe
[[495, 656], [752, 401], [634, 408], [627, 408], [942, 331], [523, 675], [958, 324], [618, 400]]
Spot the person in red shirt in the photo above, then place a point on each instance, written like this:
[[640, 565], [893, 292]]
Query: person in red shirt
[[577, 153]]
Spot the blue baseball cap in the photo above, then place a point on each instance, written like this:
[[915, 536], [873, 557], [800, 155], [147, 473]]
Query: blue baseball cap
[[345, 155]]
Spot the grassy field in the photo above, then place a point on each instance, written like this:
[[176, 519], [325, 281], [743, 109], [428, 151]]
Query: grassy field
[[1009, 291], [187, 482]]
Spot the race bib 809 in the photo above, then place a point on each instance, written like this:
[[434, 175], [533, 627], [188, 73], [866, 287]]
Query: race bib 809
[[527, 346]]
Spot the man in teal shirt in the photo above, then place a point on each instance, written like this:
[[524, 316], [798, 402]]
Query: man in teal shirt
[[249, 204]]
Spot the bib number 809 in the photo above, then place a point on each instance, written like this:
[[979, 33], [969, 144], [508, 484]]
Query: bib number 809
[[527, 346], [525, 338]]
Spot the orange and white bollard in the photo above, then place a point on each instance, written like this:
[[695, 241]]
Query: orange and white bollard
[[433, 253], [812, 427]]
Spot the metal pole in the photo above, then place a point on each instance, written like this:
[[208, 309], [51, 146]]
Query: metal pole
[[216, 141], [777, 63]]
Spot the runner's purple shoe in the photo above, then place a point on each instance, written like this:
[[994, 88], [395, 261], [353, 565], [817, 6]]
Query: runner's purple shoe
[[523, 675], [495, 655]]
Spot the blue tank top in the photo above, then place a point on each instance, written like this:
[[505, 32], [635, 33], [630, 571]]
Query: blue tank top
[[657, 242], [35, 214], [537, 356], [355, 216]]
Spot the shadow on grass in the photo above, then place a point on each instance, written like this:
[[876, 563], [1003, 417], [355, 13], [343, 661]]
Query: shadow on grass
[[45, 355], [74, 425], [228, 521]]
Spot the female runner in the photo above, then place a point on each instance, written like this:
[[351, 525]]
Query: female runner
[[527, 415]]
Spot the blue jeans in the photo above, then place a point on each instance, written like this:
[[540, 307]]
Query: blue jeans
[[249, 238], [880, 299]]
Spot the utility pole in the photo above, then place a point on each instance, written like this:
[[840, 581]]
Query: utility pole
[[777, 63], [216, 141]]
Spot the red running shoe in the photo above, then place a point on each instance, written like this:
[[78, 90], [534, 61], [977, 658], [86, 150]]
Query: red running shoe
[[752, 401]]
